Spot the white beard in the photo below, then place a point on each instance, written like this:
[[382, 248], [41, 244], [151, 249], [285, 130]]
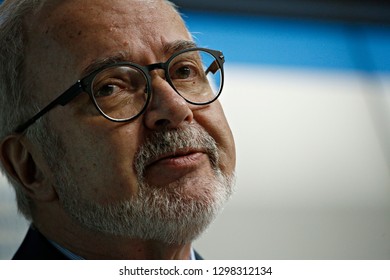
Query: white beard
[[168, 214]]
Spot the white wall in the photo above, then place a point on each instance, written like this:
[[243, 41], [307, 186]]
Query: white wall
[[313, 178], [12, 226]]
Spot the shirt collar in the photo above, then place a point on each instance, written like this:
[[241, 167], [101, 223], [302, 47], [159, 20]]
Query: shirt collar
[[73, 256]]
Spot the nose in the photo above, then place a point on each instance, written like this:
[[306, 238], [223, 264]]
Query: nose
[[167, 109]]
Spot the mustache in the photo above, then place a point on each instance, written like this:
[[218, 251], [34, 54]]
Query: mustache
[[188, 137]]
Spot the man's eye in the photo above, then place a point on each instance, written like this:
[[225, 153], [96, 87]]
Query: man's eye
[[107, 90], [182, 73]]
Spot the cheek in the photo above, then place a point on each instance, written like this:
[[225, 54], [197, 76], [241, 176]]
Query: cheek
[[226, 145], [214, 121], [101, 161]]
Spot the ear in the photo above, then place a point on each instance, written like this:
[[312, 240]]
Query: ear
[[16, 154]]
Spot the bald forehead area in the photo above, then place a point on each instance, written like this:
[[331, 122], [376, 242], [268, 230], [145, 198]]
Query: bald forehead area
[[74, 33], [69, 22]]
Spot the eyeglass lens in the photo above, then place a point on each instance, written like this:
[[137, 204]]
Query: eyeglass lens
[[121, 92]]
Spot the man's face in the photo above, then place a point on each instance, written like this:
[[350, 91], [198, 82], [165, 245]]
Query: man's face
[[108, 165]]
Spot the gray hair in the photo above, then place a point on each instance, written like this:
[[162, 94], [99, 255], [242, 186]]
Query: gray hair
[[16, 105]]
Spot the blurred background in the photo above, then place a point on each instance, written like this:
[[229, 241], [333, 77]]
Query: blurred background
[[307, 94]]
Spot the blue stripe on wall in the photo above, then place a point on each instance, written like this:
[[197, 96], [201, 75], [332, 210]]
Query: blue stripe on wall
[[287, 42], [302, 43]]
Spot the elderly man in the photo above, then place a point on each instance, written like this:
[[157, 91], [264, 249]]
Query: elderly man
[[111, 133]]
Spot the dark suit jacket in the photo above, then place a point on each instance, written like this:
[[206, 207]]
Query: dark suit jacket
[[36, 247]]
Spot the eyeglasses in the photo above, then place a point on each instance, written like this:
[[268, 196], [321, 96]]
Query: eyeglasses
[[121, 91]]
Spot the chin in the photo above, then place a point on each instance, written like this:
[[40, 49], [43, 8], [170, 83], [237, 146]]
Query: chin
[[174, 214]]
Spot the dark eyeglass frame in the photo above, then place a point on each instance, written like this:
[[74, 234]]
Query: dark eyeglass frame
[[84, 85]]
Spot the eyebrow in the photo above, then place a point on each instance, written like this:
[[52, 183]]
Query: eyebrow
[[122, 56], [178, 45], [101, 62]]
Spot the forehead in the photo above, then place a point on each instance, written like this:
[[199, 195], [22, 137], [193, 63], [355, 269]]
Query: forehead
[[99, 21], [71, 34]]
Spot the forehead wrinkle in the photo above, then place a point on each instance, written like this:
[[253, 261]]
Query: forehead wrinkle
[[123, 56], [68, 31]]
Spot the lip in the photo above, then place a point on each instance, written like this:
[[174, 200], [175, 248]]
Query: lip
[[179, 159], [171, 167]]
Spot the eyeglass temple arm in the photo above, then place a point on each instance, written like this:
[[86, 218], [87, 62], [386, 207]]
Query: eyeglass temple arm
[[62, 100], [212, 68], [215, 66]]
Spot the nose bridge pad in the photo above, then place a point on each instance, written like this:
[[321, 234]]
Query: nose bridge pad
[[159, 75], [167, 106], [160, 71], [161, 82], [162, 90], [156, 66]]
